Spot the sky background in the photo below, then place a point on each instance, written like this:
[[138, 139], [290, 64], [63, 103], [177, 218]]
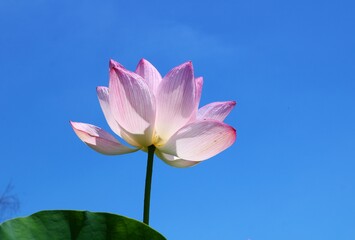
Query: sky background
[[290, 65]]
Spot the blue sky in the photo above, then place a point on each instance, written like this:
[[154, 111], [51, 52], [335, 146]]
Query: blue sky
[[290, 65]]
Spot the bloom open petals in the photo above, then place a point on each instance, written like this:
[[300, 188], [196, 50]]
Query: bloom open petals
[[150, 74], [200, 140], [132, 104], [145, 109], [217, 110], [175, 100], [99, 140]]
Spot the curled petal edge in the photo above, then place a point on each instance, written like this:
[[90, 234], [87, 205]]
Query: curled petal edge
[[175, 161], [99, 140]]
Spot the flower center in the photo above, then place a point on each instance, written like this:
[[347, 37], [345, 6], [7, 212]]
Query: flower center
[[157, 140]]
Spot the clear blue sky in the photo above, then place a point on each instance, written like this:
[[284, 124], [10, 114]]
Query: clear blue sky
[[290, 65]]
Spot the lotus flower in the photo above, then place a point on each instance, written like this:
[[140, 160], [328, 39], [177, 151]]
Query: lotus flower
[[145, 109]]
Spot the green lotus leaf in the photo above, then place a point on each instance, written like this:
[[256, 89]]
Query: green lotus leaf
[[76, 225]]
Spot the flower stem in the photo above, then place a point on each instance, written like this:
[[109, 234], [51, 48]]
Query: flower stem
[[148, 184]]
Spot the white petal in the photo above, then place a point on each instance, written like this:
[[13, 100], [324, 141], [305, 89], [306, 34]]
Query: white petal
[[103, 95], [150, 74], [175, 101], [200, 140], [132, 104], [99, 140], [174, 161], [217, 110]]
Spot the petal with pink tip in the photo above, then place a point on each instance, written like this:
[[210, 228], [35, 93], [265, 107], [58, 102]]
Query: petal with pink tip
[[217, 110], [103, 95], [175, 101], [200, 140], [174, 161], [132, 104], [99, 140], [150, 74], [113, 64]]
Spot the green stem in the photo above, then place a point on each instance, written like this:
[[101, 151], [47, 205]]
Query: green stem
[[148, 184]]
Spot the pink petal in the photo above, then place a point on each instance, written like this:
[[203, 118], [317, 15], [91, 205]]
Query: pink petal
[[175, 100], [217, 110], [99, 140], [200, 140], [150, 74], [175, 161], [199, 84], [103, 95], [113, 64], [132, 104], [198, 92]]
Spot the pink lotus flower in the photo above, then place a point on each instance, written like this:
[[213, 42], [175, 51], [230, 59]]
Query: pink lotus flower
[[145, 109]]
